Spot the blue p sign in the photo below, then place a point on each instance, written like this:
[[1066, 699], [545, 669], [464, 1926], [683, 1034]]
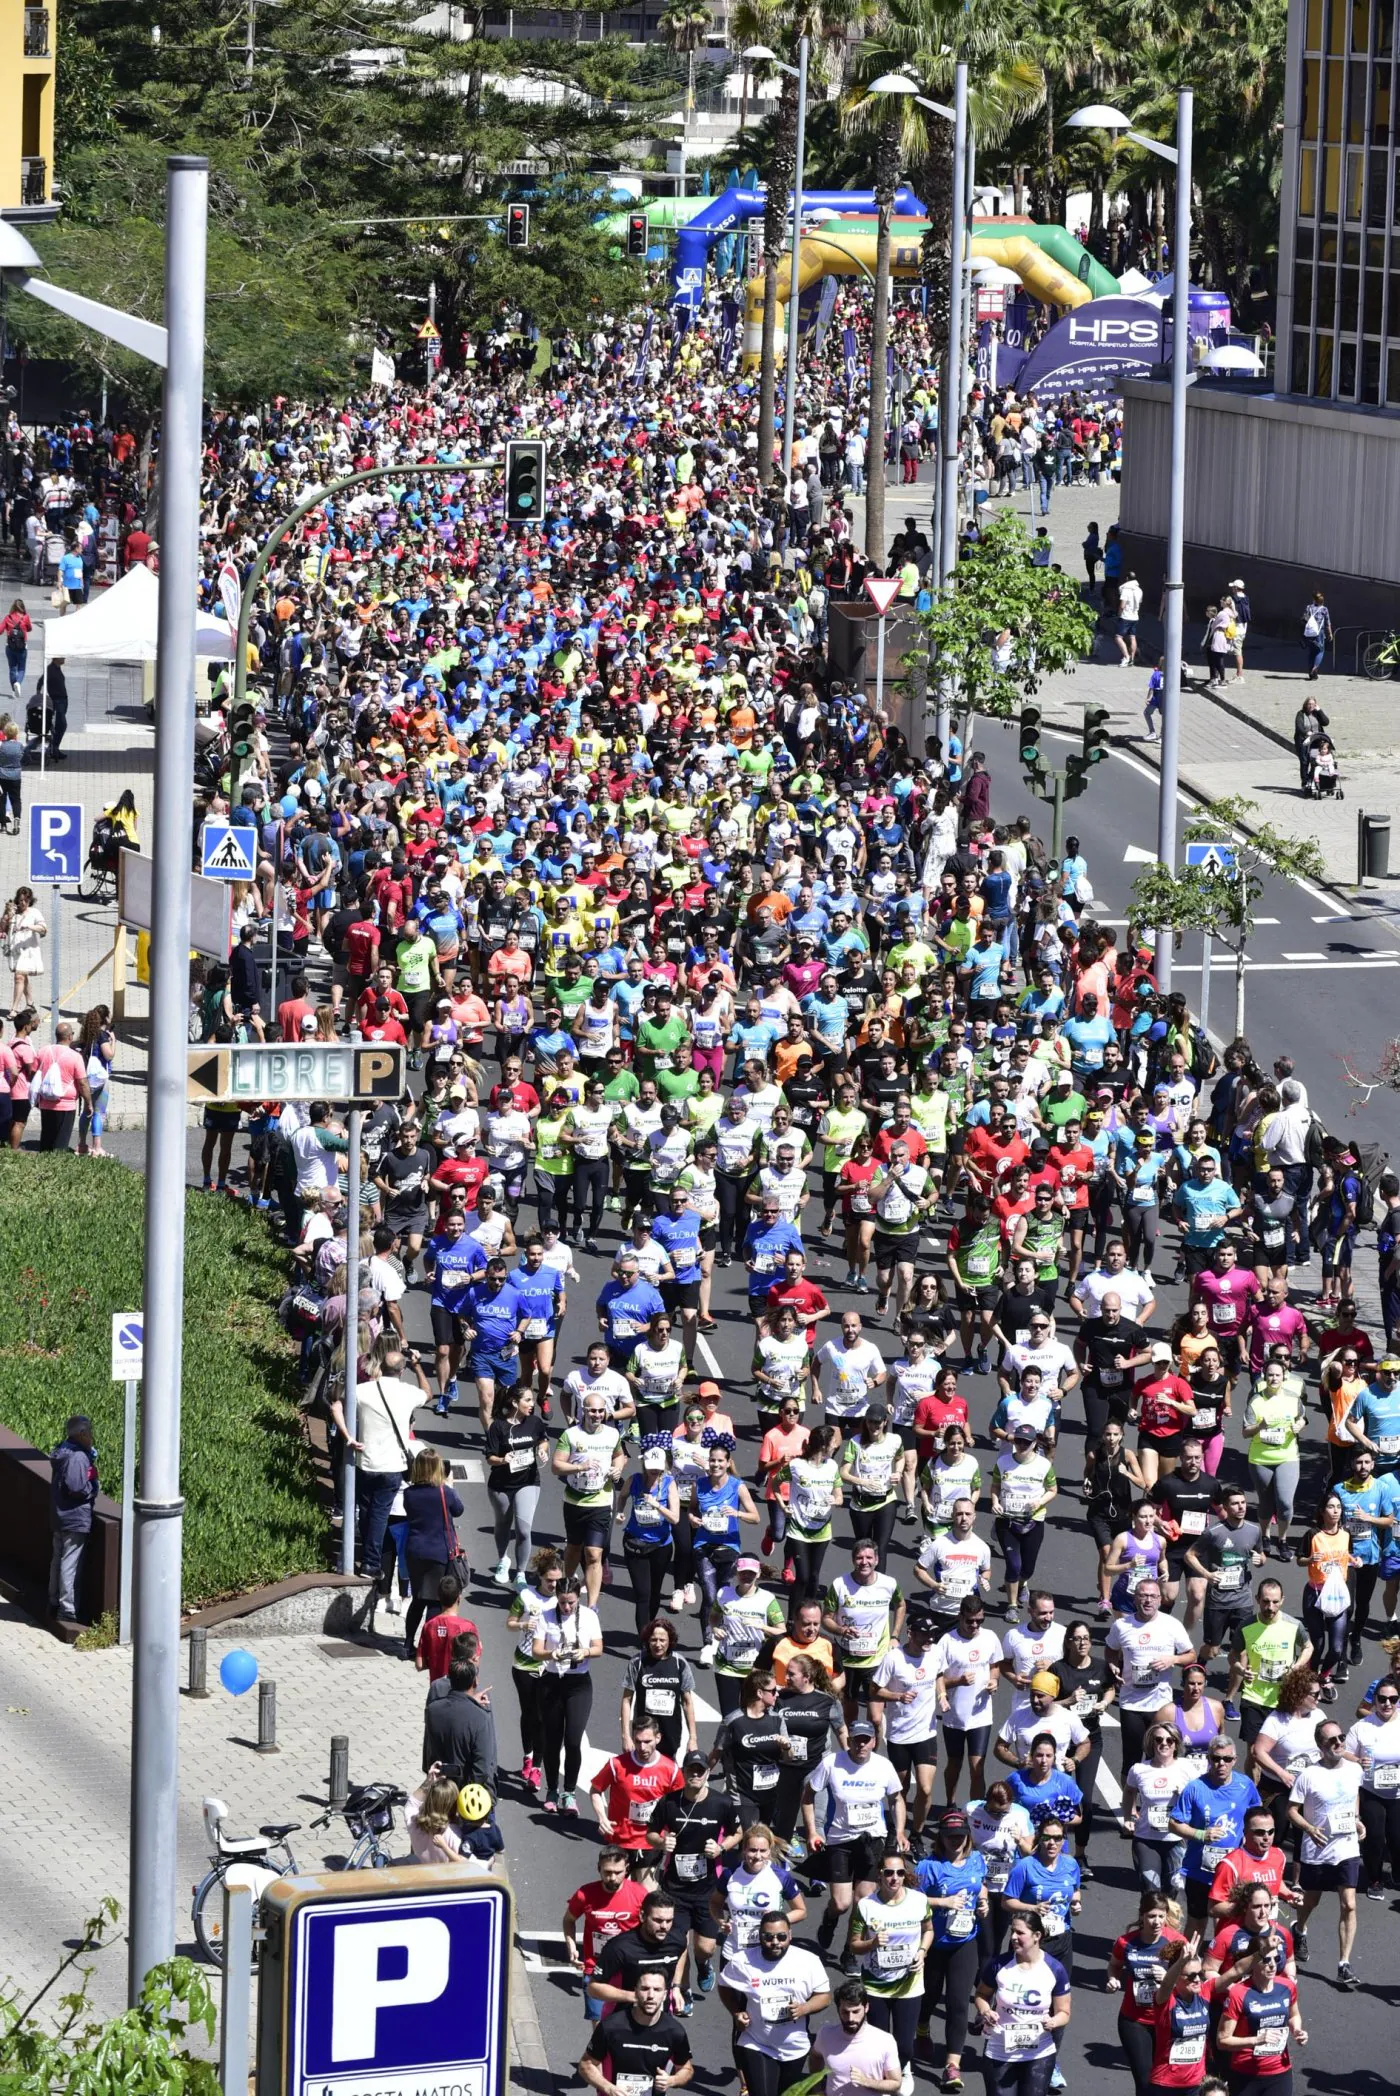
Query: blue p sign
[[55, 842], [390, 1992]]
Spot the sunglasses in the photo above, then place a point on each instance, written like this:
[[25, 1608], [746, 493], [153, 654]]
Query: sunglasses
[[1388, 1699]]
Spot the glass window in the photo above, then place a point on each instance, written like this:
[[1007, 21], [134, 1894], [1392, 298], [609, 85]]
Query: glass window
[[1302, 345], [1322, 376], [1346, 371], [1377, 195], [1332, 115], [1312, 28], [1371, 373], [1331, 182], [1303, 243], [1307, 182], [1312, 88], [1360, 25], [1351, 247], [1356, 101], [1351, 298], [1382, 27], [1337, 29], [1380, 105], [1375, 251], [1373, 303], [1392, 378], [1302, 294]]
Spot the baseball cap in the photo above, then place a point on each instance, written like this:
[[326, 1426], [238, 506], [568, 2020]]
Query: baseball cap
[[654, 1459], [1024, 1432], [708, 1390], [862, 1729], [694, 1763], [1160, 1350], [953, 1821]]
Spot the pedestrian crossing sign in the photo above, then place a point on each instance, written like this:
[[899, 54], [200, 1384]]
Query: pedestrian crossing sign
[[226, 853]]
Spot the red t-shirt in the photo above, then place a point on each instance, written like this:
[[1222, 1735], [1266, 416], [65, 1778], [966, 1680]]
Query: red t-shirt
[[435, 1642], [1237, 2005], [911, 1139], [1138, 1962], [1076, 1168], [605, 1914], [805, 1298], [1241, 1868], [854, 1178], [931, 1415], [291, 1014], [989, 1156], [465, 1172], [1180, 2027], [631, 1791], [1156, 1418], [361, 948]]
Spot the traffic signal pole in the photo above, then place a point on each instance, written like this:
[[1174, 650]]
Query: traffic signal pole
[[1057, 784]]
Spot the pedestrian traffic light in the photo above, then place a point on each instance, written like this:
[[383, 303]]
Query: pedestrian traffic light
[[1030, 736], [1096, 719], [518, 225], [638, 233], [524, 480], [1076, 774], [241, 729]]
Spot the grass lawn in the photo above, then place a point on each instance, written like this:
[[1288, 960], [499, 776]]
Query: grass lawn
[[70, 1254]]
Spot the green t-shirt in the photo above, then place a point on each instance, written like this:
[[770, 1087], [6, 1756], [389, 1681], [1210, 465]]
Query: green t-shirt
[[414, 959], [678, 1084], [838, 1131], [654, 1040], [551, 1157], [622, 1089], [1070, 1108], [756, 764], [570, 995]]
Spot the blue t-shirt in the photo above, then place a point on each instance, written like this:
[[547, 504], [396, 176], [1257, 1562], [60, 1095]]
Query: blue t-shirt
[[1040, 1883], [679, 1238], [628, 1311], [1218, 1809], [1379, 1495], [1058, 1797], [765, 1248], [1087, 1040], [712, 1501], [1203, 1209], [1377, 1413], [539, 1294], [985, 964], [941, 1880], [455, 1267], [493, 1315]]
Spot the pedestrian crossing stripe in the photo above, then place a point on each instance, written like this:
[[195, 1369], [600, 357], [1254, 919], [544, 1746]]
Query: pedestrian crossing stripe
[[225, 854]]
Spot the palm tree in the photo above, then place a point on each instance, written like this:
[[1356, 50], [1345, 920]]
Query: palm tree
[[684, 26]]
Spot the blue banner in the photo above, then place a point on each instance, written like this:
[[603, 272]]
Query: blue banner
[[825, 309], [1096, 346], [848, 353], [728, 331]]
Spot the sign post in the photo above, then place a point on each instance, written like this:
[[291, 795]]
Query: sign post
[[128, 1366], [390, 1987], [55, 855], [882, 591], [350, 1395]]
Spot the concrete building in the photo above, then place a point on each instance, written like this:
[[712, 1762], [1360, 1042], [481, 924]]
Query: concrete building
[[28, 36], [1299, 489]]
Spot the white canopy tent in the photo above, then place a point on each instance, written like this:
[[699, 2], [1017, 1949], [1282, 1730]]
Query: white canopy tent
[[121, 625]]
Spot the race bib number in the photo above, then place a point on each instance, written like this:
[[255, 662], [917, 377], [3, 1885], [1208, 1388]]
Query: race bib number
[[660, 1702], [894, 1957], [765, 1775], [535, 1328], [1213, 1853], [639, 1810], [1021, 2034], [864, 1813], [1110, 1378], [1054, 1924], [1193, 1521], [860, 1204], [1157, 1818], [1231, 1579], [628, 1328], [1204, 1423], [689, 1867], [715, 1520], [634, 2084], [1385, 1775], [1144, 1673], [1187, 2052], [962, 1921], [1145, 1987], [1017, 1499], [593, 1478], [520, 1459], [1274, 1436], [862, 1644], [1222, 1311], [746, 1932], [1341, 1823], [1272, 2043], [1388, 1444], [646, 1513]]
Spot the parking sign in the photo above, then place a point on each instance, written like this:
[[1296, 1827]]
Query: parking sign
[[389, 1991], [55, 841]]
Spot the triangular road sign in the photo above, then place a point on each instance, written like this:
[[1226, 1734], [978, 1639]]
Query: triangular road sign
[[882, 591], [227, 856]]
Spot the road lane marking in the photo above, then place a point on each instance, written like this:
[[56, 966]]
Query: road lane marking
[[1305, 956], [707, 1355], [1340, 917], [468, 1470], [1367, 967], [537, 1952], [1108, 1787]]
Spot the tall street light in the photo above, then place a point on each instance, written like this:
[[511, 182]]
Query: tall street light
[[949, 407], [759, 54], [155, 1692], [1099, 117]]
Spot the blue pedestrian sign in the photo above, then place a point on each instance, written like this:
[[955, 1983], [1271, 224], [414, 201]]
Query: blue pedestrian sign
[[1211, 856], [227, 853], [56, 848], [395, 1990]]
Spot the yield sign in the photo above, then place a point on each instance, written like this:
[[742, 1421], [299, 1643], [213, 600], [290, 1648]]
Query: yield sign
[[882, 591]]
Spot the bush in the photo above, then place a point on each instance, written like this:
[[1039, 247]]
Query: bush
[[71, 1239]]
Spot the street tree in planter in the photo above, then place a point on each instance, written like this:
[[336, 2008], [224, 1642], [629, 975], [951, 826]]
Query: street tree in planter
[[1220, 899]]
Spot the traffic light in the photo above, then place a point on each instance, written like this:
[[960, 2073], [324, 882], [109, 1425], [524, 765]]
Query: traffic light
[[525, 481], [1076, 774], [1030, 736], [638, 233], [1096, 719], [518, 225], [241, 732]]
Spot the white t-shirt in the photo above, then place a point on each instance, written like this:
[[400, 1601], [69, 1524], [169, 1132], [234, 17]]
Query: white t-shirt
[[844, 1374], [1064, 1728], [1149, 1793], [1327, 1798], [957, 1563], [768, 1987], [1024, 1996], [999, 1842], [858, 1795], [613, 1388], [969, 1702], [1290, 1741], [899, 1670], [385, 1399], [1132, 1291], [1377, 1742], [1029, 1651], [1138, 1645]]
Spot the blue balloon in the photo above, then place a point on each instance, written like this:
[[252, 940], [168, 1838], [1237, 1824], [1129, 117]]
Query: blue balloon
[[238, 1671]]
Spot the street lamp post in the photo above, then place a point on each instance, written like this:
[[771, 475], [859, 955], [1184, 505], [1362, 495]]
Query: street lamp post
[[155, 1697], [1102, 118], [951, 393], [761, 53]]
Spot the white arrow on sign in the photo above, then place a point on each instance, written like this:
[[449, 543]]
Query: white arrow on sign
[[128, 1346], [1136, 856], [882, 591]]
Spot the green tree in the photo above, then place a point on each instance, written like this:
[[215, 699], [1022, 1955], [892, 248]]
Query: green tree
[[1004, 626], [1220, 900], [139, 2053], [684, 26]]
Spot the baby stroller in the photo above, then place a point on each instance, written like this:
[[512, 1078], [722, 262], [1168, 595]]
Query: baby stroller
[[1323, 780]]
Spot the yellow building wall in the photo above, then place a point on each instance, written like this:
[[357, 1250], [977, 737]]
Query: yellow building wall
[[28, 40]]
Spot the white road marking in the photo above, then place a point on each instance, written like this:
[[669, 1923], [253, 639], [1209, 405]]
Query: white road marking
[[468, 1470], [537, 1952], [1109, 1788], [1305, 956], [1367, 967], [707, 1354], [705, 1713], [1136, 856], [1339, 917]]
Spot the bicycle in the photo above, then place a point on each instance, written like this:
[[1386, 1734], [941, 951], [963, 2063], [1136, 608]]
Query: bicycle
[[1381, 658], [262, 1858]]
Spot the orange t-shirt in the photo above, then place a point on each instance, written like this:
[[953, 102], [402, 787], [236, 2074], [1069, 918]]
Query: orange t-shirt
[[1325, 1551]]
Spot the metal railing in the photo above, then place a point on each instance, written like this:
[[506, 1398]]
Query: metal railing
[[33, 180], [36, 32]]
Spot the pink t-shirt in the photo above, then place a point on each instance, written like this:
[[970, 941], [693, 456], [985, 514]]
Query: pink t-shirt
[[70, 1073], [869, 2051], [1279, 1327], [1228, 1297]]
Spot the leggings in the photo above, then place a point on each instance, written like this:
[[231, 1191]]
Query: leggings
[[1380, 1835], [1020, 1548], [1328, 1633], [1086, 1775], [730, 1188], [1136, 2041], [729, 1694], [1134, 1725], [806, 1561], [683, 1561], [1262, 2084], [765, 2076], [711, 1059], [92, 1124], [1018, 2077], [527, 1694], [1158, 1864], [874, 1525], [590, 1183], [1277, 1487], [648, 1566], [513, 1514], [787, 1803], [1212, 1448], [1363, 1586], [711, 1577], [565, 1703], [900, 2017], [950, 1972], [1140, 1234], [552, 1199], [1100, 1408]]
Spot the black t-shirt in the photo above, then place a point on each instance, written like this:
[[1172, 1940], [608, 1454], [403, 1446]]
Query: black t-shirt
[[1014, 1313], [658, 1685], [688, 1871], [631, 2047], [630, 1954], [1189, 1505], [515, 1440], [809, 1716], [1081, 1686], [337, 925], [408, 1174], [1102, 1342], [933, 1321], [753, 1752]]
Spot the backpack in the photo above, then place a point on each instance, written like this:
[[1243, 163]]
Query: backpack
[[1371, 1167], [52, 1084], [1204, 1062]]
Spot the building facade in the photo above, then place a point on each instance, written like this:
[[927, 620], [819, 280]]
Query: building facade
[[1339, 230], [27, 42]]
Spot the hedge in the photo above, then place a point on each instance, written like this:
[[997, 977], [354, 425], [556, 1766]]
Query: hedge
[[71, 1234]]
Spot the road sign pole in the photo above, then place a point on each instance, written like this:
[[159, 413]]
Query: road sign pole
[[1206, 949], [128, 1511], [236, 2007], [155, 1699], [56, 958], [1057, 803], [272, 982], [352, 1348], [880, 669]]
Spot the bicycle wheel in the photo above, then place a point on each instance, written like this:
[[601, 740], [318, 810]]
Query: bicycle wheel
[[208, 1916], [94, 884], [368, 1855], [1378, 658]]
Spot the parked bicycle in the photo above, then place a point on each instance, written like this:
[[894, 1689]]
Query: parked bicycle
[[262, 1858], [1381, 657]]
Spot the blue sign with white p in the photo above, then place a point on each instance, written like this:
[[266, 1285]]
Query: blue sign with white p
[[399, 1991], [55, 841]]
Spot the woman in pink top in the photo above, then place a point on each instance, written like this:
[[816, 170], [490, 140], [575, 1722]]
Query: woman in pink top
[[61, 1082], [24, 1056]]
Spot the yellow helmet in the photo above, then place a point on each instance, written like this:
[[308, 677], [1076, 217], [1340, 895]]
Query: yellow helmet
[[475, 1802]]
